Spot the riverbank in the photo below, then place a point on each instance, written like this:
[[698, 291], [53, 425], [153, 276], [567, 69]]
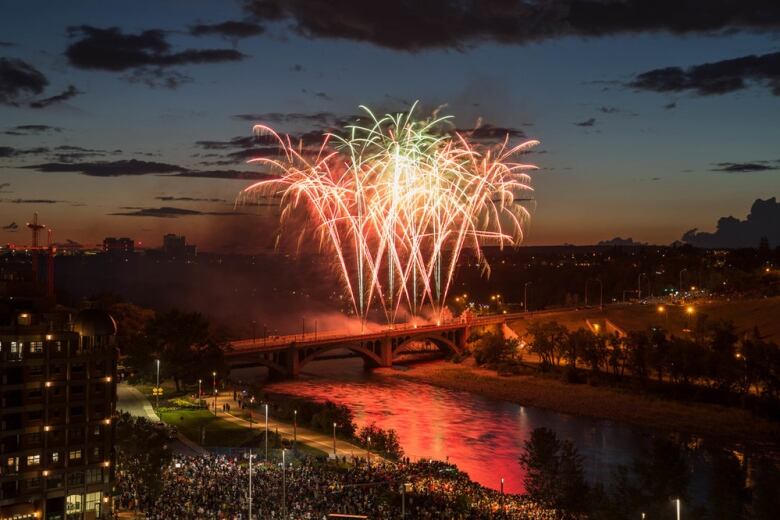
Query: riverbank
[[601, 402]]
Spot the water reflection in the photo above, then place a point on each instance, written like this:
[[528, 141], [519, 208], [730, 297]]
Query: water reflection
[[483, 437]]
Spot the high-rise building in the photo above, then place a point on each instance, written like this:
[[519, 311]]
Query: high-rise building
[[57, 403], [175, 246], [113, 245]]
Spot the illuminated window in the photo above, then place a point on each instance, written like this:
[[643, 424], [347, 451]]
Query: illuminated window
[[73, 504], [55, 456], [93, 501], [36, 347], [74, 455], [33, 460]]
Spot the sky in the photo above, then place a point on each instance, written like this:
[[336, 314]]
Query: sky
[[135, 119]]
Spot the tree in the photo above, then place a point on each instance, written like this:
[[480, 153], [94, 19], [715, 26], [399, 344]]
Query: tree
[[493, 349], [554, 474], [185, 345], [547, 339]]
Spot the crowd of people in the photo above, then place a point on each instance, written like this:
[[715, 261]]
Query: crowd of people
[[216, 487]]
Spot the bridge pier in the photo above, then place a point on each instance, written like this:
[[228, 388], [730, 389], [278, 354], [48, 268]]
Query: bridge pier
[[386, 352]]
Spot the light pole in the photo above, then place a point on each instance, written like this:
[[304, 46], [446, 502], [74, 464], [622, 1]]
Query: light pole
[[677, 506], [334, 440], [266, 432], [601, 292], [502, 496], [662, 310], [369, 451], [250, 483], [200, 403], [284, 484], [251, 402], [525, 296], [214, 387], [157, 393], [295, 430]]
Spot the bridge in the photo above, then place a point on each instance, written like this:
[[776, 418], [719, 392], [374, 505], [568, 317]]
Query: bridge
[[285, 356]]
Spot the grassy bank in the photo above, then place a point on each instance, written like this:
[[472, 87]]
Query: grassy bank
[[729, 424]]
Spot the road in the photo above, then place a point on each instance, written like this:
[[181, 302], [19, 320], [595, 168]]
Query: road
[[132, 401]]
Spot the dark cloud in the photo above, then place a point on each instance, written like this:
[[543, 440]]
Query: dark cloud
[[13, 226], [458, 23], [135, 167], [32, 130], [169, 212], [65, 95], [230, 29], [296, 68], [714, 78], [171, 198], [17, 79], [111, 49], [320, 95], [732, 232], [31, 201], [671, 105], [157, 77], [247, 141], [587, 122], [9, 151], [7, 44], [746, 167], [110, 168]]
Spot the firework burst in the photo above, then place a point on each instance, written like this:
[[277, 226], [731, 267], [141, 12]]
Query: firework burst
[[396, 201]]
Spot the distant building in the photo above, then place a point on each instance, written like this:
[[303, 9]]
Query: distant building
[[57, 402], [113, 245], [175, 246]]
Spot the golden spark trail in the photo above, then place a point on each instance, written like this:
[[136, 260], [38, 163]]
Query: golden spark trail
[[396, 202]]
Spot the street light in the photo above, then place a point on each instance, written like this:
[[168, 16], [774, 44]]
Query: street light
[[157, 393], [284, 484], [502, 496], [295, 430], [214, 388], [334, 440], [369, 451], [525, 296], [662, 310], [200, 382], [266, 432], [677, 506], [250, 483], [251, 402]]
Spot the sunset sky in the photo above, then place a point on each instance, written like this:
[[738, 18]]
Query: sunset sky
[[134, 118]]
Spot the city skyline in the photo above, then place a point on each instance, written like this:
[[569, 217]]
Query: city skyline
[[115, 124]]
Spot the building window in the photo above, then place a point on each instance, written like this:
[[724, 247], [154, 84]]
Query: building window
[[13, 464], [74, 455], [35, 482], [34, 460], [76, 478], [97, 430], [55, 456], [36, 347], [94, 476], [73, 504], [93, 502]]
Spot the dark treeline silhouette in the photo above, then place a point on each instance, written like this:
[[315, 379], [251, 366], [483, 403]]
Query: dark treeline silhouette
[[737, 489], [711, 363]]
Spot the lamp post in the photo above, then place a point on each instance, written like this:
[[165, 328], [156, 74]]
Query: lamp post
[[601, 292], [214, 387], [157, 393], [369, 451], [334, 440], [525, 296], [250, 483], [502, 496], [200, 382], [284, 484], [266, 432], [251, 402], [677, 507], [662, 310], [639, 285], [295, 430]]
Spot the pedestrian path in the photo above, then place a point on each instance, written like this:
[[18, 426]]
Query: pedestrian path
[[304, 435]]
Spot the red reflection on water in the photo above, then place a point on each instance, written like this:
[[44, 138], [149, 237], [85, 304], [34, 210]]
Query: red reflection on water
[[484, 438]]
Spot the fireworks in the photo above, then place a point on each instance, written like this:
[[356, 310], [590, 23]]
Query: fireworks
[[396, 201]]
